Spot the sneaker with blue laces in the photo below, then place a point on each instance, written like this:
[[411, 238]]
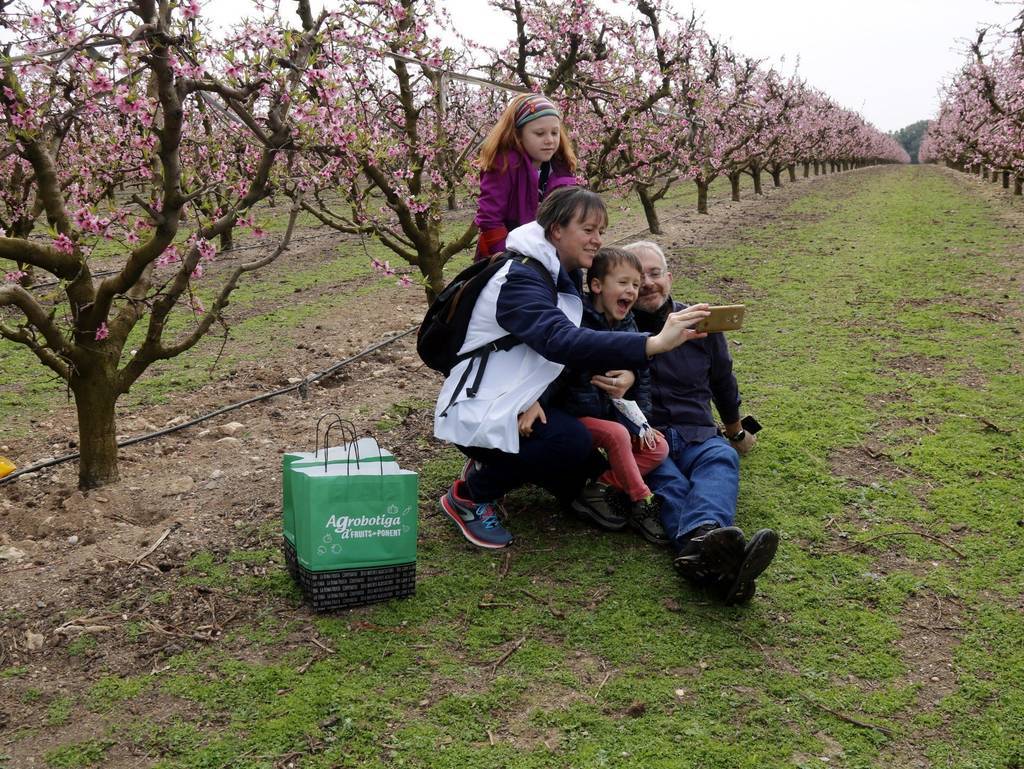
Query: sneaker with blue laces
[[478, 521]]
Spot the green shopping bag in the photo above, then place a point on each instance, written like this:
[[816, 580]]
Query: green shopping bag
[[350, 451], [349, 516]]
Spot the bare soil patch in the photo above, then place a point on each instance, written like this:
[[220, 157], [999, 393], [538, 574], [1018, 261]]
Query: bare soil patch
[[932, 629], [865, 465]]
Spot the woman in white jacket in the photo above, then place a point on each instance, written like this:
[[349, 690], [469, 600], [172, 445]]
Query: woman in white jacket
[[491, 421]]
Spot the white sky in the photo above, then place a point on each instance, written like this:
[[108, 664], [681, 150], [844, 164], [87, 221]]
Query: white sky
[[883, 58]]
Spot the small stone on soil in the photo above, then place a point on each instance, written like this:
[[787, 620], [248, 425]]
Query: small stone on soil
[[11, 553], [181, 485]]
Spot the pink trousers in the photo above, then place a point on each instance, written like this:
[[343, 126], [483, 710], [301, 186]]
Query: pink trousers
[[630, 460]]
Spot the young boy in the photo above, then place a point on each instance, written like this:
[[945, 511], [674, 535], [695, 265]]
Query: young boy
[[619, 427]]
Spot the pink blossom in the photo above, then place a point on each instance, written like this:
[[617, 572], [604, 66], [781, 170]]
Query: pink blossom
[[404, 281], [64, 244], [102, 332], [100, 84], [14, 276], [206, 249], [169, 256]]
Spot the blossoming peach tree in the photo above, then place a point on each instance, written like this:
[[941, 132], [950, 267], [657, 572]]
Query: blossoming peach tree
[[119, 118]]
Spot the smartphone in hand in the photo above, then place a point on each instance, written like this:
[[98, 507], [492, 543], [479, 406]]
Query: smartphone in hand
[[728, 317], [750, 424]]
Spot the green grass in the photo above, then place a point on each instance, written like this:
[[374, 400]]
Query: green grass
[[82, 754], [583, 650]]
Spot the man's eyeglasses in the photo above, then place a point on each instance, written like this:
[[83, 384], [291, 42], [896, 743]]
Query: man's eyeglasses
[[654, 274]]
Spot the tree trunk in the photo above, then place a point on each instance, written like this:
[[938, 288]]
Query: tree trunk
[[95, 398], [792, 172], [807, 169], [702, 196], [755, 172], [734, 183], [649, 211], [995, 176], [984, 173], [776, 174], [1006, 180], [453, 200], [815, 167], [227, 239], [1018, 183], [431, 269]]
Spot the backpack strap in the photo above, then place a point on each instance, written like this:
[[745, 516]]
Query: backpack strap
[[501, 344]]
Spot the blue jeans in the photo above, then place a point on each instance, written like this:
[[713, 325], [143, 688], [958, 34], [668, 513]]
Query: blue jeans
[[698, 484]]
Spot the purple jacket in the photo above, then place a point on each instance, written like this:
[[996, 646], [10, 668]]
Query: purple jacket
[[509, 198], [685, 380]]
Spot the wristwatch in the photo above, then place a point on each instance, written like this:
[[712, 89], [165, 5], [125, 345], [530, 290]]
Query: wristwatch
[[738, 436]]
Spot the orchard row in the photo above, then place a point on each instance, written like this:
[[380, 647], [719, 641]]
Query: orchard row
[[980, 127]]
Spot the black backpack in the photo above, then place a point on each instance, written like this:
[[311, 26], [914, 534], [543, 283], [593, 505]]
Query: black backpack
[[443, 329]]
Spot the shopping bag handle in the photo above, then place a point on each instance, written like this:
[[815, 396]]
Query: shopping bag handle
[[380, 459], [350, 445], [353, 445], [337, 419]]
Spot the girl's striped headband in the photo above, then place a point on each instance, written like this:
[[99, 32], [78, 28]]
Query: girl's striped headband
[[533, 108]]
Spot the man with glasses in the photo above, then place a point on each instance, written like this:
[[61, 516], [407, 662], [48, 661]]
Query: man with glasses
[[699, 482]]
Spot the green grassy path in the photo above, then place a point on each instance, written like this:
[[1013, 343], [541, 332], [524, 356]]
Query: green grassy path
[[883, 358]]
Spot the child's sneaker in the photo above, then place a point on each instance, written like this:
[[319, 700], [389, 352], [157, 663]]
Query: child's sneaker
[[478, 522], [645, 517], [597, 503]]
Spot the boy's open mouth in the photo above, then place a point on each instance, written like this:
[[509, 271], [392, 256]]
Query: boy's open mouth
[[624, 305]]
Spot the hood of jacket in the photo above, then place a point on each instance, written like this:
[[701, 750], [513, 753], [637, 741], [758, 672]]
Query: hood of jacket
[[530, 240]]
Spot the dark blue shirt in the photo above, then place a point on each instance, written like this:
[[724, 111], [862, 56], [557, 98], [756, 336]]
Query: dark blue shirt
[[685, 380]]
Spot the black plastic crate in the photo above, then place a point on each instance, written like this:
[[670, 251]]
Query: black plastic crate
[[346, 588]]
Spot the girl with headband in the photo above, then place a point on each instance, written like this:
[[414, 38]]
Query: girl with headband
[[525, 156]]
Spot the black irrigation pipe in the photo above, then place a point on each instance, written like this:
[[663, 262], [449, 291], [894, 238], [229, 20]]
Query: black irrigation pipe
[[300, 386]]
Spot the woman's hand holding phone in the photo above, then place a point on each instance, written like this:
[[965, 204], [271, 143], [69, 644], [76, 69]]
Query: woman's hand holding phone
[[678, 329]]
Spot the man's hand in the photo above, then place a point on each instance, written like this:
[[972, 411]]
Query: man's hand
[[528, 417], [615, 383], [678, 329], [744, 444]]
